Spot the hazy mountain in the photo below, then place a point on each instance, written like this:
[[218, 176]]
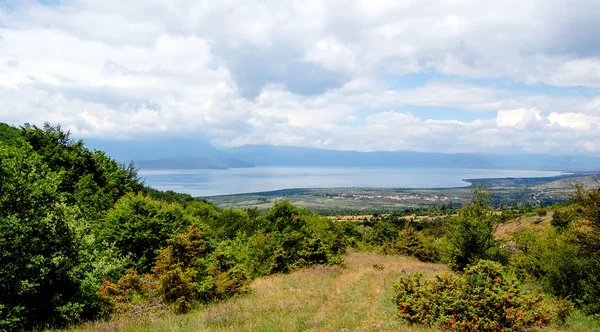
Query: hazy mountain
[[189, 154], [138, 150], [167, 154], [196, 162], [268, 155]]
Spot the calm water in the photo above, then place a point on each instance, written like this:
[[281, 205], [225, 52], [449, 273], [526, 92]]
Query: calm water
[[203, 182]]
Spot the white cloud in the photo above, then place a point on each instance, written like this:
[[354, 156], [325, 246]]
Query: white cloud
[[122, 69], [576, 121]]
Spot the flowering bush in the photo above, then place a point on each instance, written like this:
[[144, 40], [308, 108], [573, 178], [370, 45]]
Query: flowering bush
[[481, 299]]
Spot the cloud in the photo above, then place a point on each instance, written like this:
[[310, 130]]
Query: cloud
[[309, 73]]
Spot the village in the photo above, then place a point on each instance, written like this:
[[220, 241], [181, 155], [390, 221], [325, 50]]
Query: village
[[403, 197]]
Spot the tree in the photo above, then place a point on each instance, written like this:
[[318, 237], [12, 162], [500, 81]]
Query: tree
[[138, 226], [39, 252], [589, 202], [471, 233]]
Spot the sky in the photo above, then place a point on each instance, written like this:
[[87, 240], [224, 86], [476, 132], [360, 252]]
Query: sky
[[498, 76]]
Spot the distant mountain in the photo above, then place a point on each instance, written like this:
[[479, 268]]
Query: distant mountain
[[167, 154], [196, 162], [189, 154], [269, 155], [138, 150]]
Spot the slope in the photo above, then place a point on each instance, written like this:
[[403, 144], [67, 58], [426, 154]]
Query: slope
[[357, 297]]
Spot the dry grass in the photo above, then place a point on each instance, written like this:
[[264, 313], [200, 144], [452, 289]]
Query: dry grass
[[536, 223], [355, 298]]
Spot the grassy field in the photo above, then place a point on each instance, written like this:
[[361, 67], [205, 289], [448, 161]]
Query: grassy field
[[356, 297]]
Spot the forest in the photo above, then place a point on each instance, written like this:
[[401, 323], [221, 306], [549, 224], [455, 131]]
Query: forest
[[82, 238]]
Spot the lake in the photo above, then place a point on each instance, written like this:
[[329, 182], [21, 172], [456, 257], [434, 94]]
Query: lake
[[208, 182]]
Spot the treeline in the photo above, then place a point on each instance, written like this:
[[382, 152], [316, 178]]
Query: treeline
[[81, 237]]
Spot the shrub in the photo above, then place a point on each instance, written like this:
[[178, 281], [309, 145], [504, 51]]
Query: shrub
[[378, 266], [189, 270], [179, 266], [561, 219], [131, 289], [383, 232], [589, 203], [410, 242], [564, 309], [552, 259], [484, 298]]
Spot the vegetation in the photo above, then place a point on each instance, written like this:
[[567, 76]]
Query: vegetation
[[471, 232], [483, 298], [82, 238]]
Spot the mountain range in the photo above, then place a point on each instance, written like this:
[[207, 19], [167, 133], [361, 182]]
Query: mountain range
[[188, 154]]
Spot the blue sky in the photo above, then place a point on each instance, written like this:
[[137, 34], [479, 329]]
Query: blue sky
[[463, 76]]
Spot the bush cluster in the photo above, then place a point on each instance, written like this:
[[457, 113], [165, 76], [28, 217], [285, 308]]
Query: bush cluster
[[483, 298], [410, 242]]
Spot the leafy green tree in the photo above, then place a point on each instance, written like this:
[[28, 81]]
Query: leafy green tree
[[471, 233], [39, 252], [82, 171], [138, 226], [230, 222], [282, 217], [9, 135], [589, 203]]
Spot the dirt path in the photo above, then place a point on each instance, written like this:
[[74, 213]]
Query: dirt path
[[357, 297], [361, 294]]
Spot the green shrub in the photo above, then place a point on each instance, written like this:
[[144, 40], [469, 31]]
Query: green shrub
[[383, 232], [180, 267], [561, 219], [564, 309], [484, 298], [189, 270], [554, 260], [131, 289], [589, 239], [411, 243]]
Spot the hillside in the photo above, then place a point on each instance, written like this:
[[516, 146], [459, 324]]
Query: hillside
[[354, 298], [562, 189], [588, 182], [83, 240]]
